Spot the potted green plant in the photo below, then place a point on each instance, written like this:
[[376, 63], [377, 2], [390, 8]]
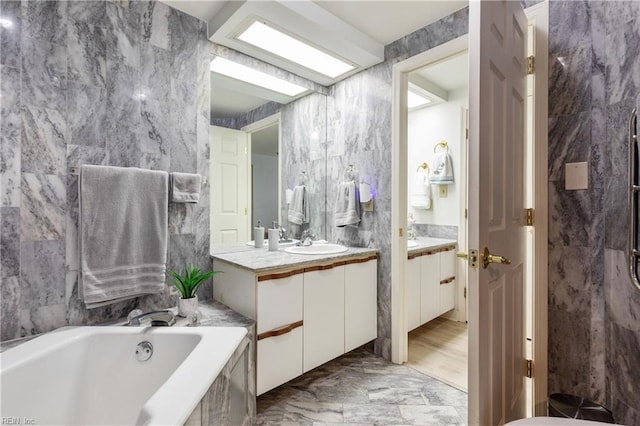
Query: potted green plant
[[187, 284]]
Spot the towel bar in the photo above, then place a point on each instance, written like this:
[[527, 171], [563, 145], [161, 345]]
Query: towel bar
[[634, 188], [75, 171]]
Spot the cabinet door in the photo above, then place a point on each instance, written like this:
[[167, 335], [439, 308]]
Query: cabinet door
[[429, 287], [447, 264], [279, 359], [412, 293], [360, 304], [447, 281], [279, 302], [323, 316]]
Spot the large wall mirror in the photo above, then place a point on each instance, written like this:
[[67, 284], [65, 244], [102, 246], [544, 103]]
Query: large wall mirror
[[263, 145]]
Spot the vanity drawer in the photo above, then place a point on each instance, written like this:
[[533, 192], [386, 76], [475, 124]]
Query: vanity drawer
[[279, 359], [447, 264], [279, 302]]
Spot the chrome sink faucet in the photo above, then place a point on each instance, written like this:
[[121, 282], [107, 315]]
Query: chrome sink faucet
[[306, 239], [283, 233], [156, 318]]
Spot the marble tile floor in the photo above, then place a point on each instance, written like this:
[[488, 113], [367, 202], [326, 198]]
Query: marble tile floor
[[361, 388]]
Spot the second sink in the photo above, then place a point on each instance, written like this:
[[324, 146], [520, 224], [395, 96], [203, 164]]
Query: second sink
[[317, 249]]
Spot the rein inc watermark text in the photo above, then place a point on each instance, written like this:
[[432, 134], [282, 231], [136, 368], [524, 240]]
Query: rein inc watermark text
[[17, 421]]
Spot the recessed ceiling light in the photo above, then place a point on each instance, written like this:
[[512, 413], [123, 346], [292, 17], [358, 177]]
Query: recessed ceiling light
[[292, 49], [241, 72], [415, 100]]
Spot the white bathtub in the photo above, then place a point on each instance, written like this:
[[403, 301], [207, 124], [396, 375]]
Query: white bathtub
[[90, 375]]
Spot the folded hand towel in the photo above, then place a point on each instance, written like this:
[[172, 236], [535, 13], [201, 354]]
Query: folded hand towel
[[185, 187], [123, 233], [421, 191], [443, 168], [299, 207], [347, 205]]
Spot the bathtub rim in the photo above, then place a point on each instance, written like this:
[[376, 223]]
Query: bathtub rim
[[185, 386]]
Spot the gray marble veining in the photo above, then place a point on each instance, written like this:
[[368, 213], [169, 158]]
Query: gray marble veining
[[10, 35], [42, 209], [87, 53], [42, 277], [74, 76], [46, 21], [86, 115], [10, 101], [10, 241], [44, 138], [594, 78], [44, 74], [10, 141], [361, 388]]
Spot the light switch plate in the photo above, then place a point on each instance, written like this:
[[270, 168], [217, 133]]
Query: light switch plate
[[576, 176]]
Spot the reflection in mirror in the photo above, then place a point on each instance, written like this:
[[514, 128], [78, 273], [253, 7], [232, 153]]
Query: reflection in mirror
[[282, 140], [264, 175]]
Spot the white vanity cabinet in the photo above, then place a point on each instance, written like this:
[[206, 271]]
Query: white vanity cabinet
[[360, 302], [279, 322], [323, 315], [447, 280], [430, 289], [304, 316]]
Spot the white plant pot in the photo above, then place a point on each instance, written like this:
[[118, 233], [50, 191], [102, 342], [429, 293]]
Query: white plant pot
[[187, 307]]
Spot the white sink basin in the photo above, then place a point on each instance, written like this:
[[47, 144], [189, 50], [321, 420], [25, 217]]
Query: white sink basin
[[317, 249], [411, 244], [281, 243]]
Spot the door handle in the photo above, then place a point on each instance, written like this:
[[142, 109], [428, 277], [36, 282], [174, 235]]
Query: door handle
[[488, 258]]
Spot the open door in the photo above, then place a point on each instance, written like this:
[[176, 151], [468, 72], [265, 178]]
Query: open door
[[497, 96], [229, 186]]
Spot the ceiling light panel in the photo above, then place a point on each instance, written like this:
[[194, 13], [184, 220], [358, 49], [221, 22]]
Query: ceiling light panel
[[258, 78], [293, 49]]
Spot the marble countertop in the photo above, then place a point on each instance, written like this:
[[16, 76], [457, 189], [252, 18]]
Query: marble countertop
[[261, 259], [429, 243], [214, 314]]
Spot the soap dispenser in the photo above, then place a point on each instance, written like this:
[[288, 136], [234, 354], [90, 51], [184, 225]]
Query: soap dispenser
[[258, 236], [274, 236]]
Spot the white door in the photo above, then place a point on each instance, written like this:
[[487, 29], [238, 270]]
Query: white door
[[229, 186], [497, 36]]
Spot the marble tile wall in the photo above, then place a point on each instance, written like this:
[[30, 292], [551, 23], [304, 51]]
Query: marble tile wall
[[100, 82], [594, 313], [359, 133]]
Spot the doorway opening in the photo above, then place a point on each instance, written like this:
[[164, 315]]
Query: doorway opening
[[536, 156], [435, 291], [264, 146]]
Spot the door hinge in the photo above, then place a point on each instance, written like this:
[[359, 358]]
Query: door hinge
[[245, 211], [529, 368], [466, 213], [400, 232], [529, 213], [246, 151], [465, 292], [531, 62], [466, 134]]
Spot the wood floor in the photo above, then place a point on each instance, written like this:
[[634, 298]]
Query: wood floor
[[439, 349]]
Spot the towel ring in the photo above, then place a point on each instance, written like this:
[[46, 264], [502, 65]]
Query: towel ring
[[441, 144], [424, 166]]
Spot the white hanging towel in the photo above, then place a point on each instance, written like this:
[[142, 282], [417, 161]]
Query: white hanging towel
[[421, 191], [442, 167], [347, 210]]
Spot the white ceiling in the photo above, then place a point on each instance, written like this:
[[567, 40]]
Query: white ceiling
[[387, 21], [383, 20], [450, 74]]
